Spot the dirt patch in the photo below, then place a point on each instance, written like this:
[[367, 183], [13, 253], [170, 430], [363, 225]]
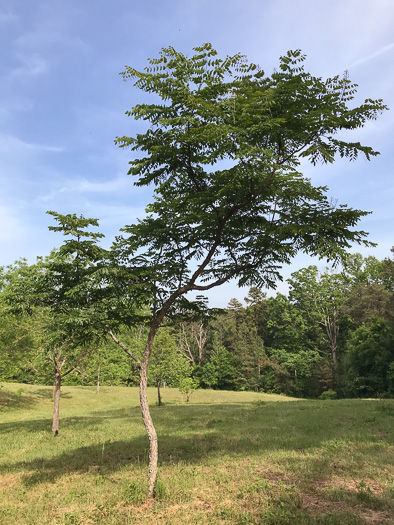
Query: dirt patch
[[318, 506], [275, 476], [351, 485], [9, 480]]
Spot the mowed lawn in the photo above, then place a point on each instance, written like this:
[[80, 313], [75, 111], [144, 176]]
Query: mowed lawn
[[225, 457]]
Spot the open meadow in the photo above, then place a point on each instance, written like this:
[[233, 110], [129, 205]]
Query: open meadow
[[225, 457]]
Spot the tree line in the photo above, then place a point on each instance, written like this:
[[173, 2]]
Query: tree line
[[332, 335]]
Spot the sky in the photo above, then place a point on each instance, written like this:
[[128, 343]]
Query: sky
[[63, 102]]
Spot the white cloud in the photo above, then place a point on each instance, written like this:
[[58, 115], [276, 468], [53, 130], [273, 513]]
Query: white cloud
[[379, 52], [82, 186], [11, 145], [46, 39], [30, 65]]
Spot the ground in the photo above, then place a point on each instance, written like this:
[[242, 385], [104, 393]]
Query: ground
[[225, 457]]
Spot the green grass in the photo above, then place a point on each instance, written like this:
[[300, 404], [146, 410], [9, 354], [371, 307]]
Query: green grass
[[225, 457]]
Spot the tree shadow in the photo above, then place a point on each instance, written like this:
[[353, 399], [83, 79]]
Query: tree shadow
[[14, 400], [47, 393], [26, 399], [188, 434]]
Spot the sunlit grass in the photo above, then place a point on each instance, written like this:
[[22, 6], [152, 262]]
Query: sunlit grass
[[225, 457]]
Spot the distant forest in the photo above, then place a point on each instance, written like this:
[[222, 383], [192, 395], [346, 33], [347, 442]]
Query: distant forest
[[331, 336]]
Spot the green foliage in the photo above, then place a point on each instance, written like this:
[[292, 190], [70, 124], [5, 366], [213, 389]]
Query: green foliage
[[209, 375], [328, 394], [226, 373], [187, 386], [167, 365], [228, 140], [320, 297], [299, 369], [135, 492], [369, 360], [284, 325], [255, 211]]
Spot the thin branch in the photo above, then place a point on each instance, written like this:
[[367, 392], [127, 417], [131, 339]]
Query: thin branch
[[75, 367], [123, 347], [223, 280]]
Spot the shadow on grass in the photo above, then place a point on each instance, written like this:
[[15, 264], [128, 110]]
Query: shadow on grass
[[22, 399], [12, 400], [189, 434], [76, 423], [47, 393]]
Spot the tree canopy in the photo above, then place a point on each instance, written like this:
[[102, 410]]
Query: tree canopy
[[223, 150]]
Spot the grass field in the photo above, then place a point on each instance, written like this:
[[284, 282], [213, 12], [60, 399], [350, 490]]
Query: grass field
[[226, 457]]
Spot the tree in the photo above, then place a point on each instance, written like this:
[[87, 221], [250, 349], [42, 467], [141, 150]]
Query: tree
[[320, 297], [369, 360], [59, 288], [257, 307], [20, 337], [246, 347], [285, 326], [193, 334], [187, 386], [167, 364], [222, 150]]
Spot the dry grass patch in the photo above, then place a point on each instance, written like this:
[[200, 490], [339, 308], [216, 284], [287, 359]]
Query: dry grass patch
[[10, 480]]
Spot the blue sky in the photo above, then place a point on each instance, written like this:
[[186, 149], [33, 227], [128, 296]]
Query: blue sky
[[62, 102]]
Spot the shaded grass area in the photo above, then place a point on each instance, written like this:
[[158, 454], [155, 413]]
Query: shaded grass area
[[226, 457]]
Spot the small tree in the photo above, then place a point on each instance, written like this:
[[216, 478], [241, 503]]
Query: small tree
[[187, 386], [167, 364], [59, 287], [222, 149]]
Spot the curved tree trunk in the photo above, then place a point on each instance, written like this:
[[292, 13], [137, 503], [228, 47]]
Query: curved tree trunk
[[56, 403], [150, 429]]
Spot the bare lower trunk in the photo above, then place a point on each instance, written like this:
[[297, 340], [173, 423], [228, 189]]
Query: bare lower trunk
[[56, 404], [98, 376], [150, 429], [334, 355], [158, 393]]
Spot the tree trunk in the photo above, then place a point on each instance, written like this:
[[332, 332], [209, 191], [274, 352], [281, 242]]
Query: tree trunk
[[158, 392], [56, 403], [98, 376], [150, 429]]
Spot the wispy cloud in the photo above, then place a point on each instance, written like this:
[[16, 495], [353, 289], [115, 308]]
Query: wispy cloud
[[372, 56], [47, 39], [82, 186], [9, 143], [30, 64]]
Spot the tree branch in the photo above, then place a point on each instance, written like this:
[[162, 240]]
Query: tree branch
[[123, 347]]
